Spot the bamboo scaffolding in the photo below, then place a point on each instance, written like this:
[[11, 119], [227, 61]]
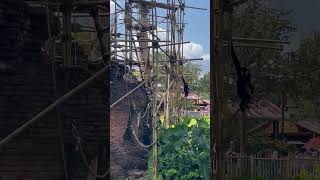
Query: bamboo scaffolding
[[138, 19]]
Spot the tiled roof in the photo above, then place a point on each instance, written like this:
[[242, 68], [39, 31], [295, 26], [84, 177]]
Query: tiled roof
[[261, 108], [193, 96]]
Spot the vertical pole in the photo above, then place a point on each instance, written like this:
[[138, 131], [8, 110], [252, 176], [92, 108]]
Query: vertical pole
[[217, 74], [116, 30], [212, 86], [155, 87], [67, 31], [243, 132], [67, 45], [283, 104]]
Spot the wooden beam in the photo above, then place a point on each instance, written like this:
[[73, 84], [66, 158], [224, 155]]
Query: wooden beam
[[89, 3], [245, 45], [67, 32], [217, 74], [152, 4], [243, 132], [254, 40]]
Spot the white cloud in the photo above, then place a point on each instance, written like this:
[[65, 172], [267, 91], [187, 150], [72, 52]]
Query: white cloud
[[195, 50], [205, 64]]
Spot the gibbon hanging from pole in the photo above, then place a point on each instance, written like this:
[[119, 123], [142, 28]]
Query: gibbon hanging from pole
[[245, 88]]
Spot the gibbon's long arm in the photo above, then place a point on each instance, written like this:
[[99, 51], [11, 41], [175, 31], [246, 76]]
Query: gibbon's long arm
[[184, 82], [235, 61], [185, 87]]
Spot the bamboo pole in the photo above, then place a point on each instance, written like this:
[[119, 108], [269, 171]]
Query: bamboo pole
[[219, 77], [243, 132], [280, 48], [254, 40], [130, 92], [52, 107], [154, 117]]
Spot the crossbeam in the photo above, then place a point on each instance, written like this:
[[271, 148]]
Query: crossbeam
[[245, 45], [154, 4], [254, 40]]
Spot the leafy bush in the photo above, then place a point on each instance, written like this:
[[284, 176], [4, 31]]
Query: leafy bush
[[184, 151], [304, 175], [260, 143]]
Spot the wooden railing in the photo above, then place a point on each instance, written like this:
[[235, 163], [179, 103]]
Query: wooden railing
[[271, 168]]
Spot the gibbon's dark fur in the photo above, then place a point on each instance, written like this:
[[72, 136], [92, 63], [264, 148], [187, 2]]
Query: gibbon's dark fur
[[244, 87], [185, 88]]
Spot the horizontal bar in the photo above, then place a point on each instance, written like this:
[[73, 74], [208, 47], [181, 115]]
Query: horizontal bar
[[141, 62], [130, 92], [154, 4], [89, 3], [258, 40], [257, 46]]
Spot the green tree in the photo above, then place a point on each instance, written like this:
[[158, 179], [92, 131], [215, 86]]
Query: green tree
[[257, 19], [306, 72]]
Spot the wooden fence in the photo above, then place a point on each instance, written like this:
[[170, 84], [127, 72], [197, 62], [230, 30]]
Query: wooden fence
[[270, 168]]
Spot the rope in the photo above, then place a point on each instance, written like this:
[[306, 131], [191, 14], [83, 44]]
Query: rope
[[133, 131], [139, 113], [135, 109], [76, 135], [137, 139]]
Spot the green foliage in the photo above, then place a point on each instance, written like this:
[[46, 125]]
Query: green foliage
[[307, 109], [244, 176], [260, 143], [203, 85], [304, 175], [183, 151], [257, 19], [306, 70], [317, 172], [193, 70]]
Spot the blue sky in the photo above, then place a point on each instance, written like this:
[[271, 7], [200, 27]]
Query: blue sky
[[197, 31]]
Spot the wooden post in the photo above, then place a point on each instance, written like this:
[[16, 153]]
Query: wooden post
[[283, 105], [67, 31], [154, 147], [243, 132], [218, 76]]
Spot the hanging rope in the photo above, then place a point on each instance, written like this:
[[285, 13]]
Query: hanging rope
[[145, 112], [139, 113], [137, 139], [138, 120]]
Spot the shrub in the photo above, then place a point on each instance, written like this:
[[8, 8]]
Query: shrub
[[184, 151]]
